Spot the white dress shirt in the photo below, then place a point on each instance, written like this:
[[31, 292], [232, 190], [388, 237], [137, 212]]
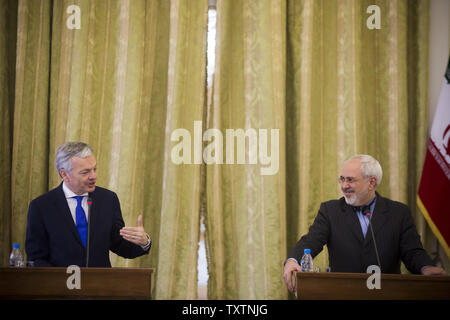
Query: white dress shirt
[[72, 202]]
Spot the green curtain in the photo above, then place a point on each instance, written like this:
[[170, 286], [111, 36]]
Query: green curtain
[[30, 153], [8, 36], [246, 213], [181, 189], [132, 73]]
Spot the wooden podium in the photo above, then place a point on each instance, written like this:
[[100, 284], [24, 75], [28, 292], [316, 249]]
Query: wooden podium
[[353, 286], [95, 283]]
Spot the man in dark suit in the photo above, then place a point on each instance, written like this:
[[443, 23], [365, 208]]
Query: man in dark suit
[[343, 225], [58, 220]]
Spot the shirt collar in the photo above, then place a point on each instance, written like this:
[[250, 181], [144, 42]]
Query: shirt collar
[[369, 204], [372, 201], [69, 193]]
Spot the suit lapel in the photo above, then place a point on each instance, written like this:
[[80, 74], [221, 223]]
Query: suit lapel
[[352, 221], [63, 208]]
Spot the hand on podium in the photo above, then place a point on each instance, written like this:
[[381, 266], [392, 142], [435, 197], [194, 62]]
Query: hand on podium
[[433, 271], [290, 269]]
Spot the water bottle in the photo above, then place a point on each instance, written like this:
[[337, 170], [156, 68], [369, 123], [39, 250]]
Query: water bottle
[[16, 257], [306, 264]]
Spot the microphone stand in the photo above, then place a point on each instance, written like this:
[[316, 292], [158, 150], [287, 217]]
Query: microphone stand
[[89, 202], [369, 215]]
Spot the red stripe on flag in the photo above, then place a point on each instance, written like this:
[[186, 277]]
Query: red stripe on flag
[[434, 192]]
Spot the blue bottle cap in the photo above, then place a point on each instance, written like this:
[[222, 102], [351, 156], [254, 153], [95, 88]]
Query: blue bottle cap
[[16, 245], [307, 251]]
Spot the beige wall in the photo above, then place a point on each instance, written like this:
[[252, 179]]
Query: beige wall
[[439, 48]]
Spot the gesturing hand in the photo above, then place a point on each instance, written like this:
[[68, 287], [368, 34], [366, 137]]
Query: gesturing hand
[[136, 235]]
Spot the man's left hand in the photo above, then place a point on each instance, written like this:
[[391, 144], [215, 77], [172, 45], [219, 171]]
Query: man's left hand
[[135, 235], [433, 271]]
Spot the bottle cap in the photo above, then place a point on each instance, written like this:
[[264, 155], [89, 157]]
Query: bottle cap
[[16, 245], [307, 251]]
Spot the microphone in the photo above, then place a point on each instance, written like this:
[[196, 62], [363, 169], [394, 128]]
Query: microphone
[[367, 213], [89, 203]]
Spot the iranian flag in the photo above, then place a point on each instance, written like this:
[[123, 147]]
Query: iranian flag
[[434, 190]]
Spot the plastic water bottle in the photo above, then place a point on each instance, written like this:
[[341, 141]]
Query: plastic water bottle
[[306, 264], [16, 257]]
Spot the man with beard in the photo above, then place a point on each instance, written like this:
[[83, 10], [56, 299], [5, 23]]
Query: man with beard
[[343, 226]]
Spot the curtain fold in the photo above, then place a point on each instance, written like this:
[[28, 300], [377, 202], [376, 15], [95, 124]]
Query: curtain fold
[[8, 38], [181, 189], [245, 209], [29, 167]]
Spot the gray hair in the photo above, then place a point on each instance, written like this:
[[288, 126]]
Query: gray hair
[[369, 167], [67, 151]]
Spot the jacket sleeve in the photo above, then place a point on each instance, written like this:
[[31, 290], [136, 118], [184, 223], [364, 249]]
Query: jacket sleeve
[[412, 252], [316, 237], [36, 243]]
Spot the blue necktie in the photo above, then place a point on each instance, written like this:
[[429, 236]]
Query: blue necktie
[[81, 221]]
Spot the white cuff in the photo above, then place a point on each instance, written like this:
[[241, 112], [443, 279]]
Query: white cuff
[[293, 259], [149, 243]]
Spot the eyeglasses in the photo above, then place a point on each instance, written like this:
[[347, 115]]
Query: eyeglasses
[[347, 179]]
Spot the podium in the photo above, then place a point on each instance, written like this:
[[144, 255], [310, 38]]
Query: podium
[[95, 283], [353, 286]]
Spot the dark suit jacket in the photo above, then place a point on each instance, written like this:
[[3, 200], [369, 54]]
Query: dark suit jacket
[[337, 226], [52, 238]]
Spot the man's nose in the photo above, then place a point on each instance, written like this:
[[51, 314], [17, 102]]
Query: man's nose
[[345, 184]]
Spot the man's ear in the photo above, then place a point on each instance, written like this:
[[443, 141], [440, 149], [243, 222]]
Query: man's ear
[[64, 175], [373, 181]]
